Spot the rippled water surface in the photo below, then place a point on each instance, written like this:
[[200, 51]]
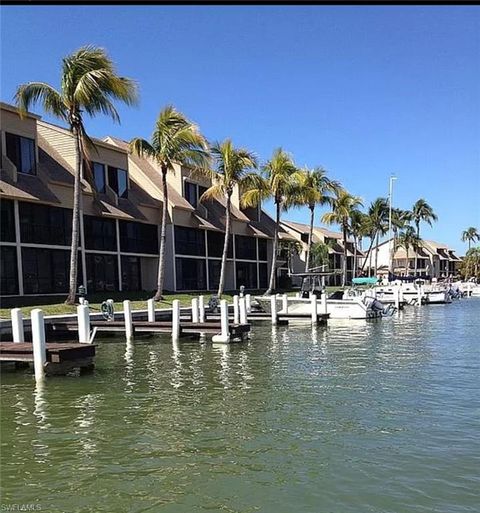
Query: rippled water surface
[[357, 417]]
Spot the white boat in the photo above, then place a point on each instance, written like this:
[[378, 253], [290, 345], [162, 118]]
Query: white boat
[[437, 297]]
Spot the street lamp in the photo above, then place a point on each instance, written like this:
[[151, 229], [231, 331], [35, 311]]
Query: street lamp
[[391, 243]]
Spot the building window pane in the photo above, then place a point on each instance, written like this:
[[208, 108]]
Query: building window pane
[[102, 273], [7, 221], [21, 151], [99, 176], [138, 237], [189, 241], [191, 193], [245, 247], [216, 241], [263, 276], [246, 274], [8, 271], [214, 269], [100, 233], [42, 224], [190, 273], [262, 249], [131, 273], [118, 181]]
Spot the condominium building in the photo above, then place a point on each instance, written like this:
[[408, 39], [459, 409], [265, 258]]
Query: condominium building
[[119, 225], [336, 250]]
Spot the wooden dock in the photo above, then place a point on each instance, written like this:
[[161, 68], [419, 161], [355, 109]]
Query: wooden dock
[[282, 319], [60, 357]]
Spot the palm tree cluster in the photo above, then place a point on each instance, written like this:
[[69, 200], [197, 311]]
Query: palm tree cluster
[[90, 84]]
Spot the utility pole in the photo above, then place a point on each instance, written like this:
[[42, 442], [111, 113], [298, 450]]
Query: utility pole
[[391, 243]]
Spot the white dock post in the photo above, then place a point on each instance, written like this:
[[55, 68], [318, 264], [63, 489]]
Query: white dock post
[[313, 300], [323, 301], [469, 292], [243, 310], [38, 339], [224, 336], [285, 303], [127, 314], [397, 297], [248, 302], [273, 309], [151, 310], [400, 294], [236, 310], [195, 310], [175, 319], [419, 295], [83, 320], [201, 308], [17, 325]]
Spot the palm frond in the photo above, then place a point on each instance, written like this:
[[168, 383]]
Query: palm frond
[[33, 92]]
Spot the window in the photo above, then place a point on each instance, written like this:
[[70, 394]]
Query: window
[[99, 176], [8, 271], [42, 224], [193, 192], [131, 273], [190, 274], [245, 247], [216, 241], [246, 274], [46, 271], [7, 221], [100, 233], [118, 181], [189, 241], [138, 237], [102, 273], [21, 151], [263, 276], [214, 269], [262, 249]]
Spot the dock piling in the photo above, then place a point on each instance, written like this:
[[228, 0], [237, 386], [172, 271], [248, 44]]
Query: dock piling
[[38, 340], [195, 310], [127, 313], [323, 301], [285, 303], [224, 336], [151, 310], [313, 300], [175, 320], [17, 325], [273, 309], [201, 308], [397, 298], [243, 310], [83, 319], [248, 300], [236, 310]]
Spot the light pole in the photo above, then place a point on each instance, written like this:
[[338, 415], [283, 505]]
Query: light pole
[[391, 243]]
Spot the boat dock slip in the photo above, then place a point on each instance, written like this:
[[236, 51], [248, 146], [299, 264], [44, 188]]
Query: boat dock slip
[[282, 318], [60, 357]]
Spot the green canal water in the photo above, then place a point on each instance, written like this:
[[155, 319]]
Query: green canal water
[[379, 416]]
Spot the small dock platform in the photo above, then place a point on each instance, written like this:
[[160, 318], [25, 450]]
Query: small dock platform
[[60, 357]]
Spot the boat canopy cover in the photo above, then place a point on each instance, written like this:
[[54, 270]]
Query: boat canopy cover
[[365, 281]]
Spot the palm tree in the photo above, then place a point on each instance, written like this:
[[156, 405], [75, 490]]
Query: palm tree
[[408, 239], [422, 211], [358, 229], [312, 188], [89, 84], [343, 204], [471, 235], [289, 248], [320, 254], [175, 139], [376, 226], [400, 220], [277, 182], [232, 169]]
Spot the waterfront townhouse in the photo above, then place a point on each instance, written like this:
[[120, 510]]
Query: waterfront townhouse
[[119, 234], [336, 250]]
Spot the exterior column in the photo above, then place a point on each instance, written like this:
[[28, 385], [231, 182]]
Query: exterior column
[[16, 216], [119, 258]]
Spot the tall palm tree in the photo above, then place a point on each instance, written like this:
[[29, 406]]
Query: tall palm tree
[[232, 169], [422, 211], [377, 226], [343, 204], [89, 84], [358, 230], [174, 139], [471, 235], [320, 254], [277, 182], [290, 248], [400, 220], [312, 188], [408, 239]]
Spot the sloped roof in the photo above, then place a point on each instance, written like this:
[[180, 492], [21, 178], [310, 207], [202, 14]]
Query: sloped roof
[[27, 187]]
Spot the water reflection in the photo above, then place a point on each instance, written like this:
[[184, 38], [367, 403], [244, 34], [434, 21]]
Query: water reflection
[[41, 451]]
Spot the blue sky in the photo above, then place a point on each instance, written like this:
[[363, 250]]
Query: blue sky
[[365, 91]]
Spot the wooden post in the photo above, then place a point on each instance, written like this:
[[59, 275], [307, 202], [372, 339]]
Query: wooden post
[[38, 339], [273, 309], [396, 292], [17, 325], [236, 310], [243, 310], [127, 313], [285, 303], [83, 320], [151, 310], [323, 300], [224, 336], [313, 301], [175, 319], [248, 302], [201, 308], [195, 310], [419, 295]]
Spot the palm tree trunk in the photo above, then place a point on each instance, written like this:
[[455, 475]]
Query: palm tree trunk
[[273, 270], [416, 250], [344, 270], [75, 221], [310, 237], [376, 253], [355, 242], [163, 236], [408, 263], [372, 239], [225, 246]]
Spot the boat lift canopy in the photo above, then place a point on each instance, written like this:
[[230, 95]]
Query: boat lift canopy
[[365, 281]]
